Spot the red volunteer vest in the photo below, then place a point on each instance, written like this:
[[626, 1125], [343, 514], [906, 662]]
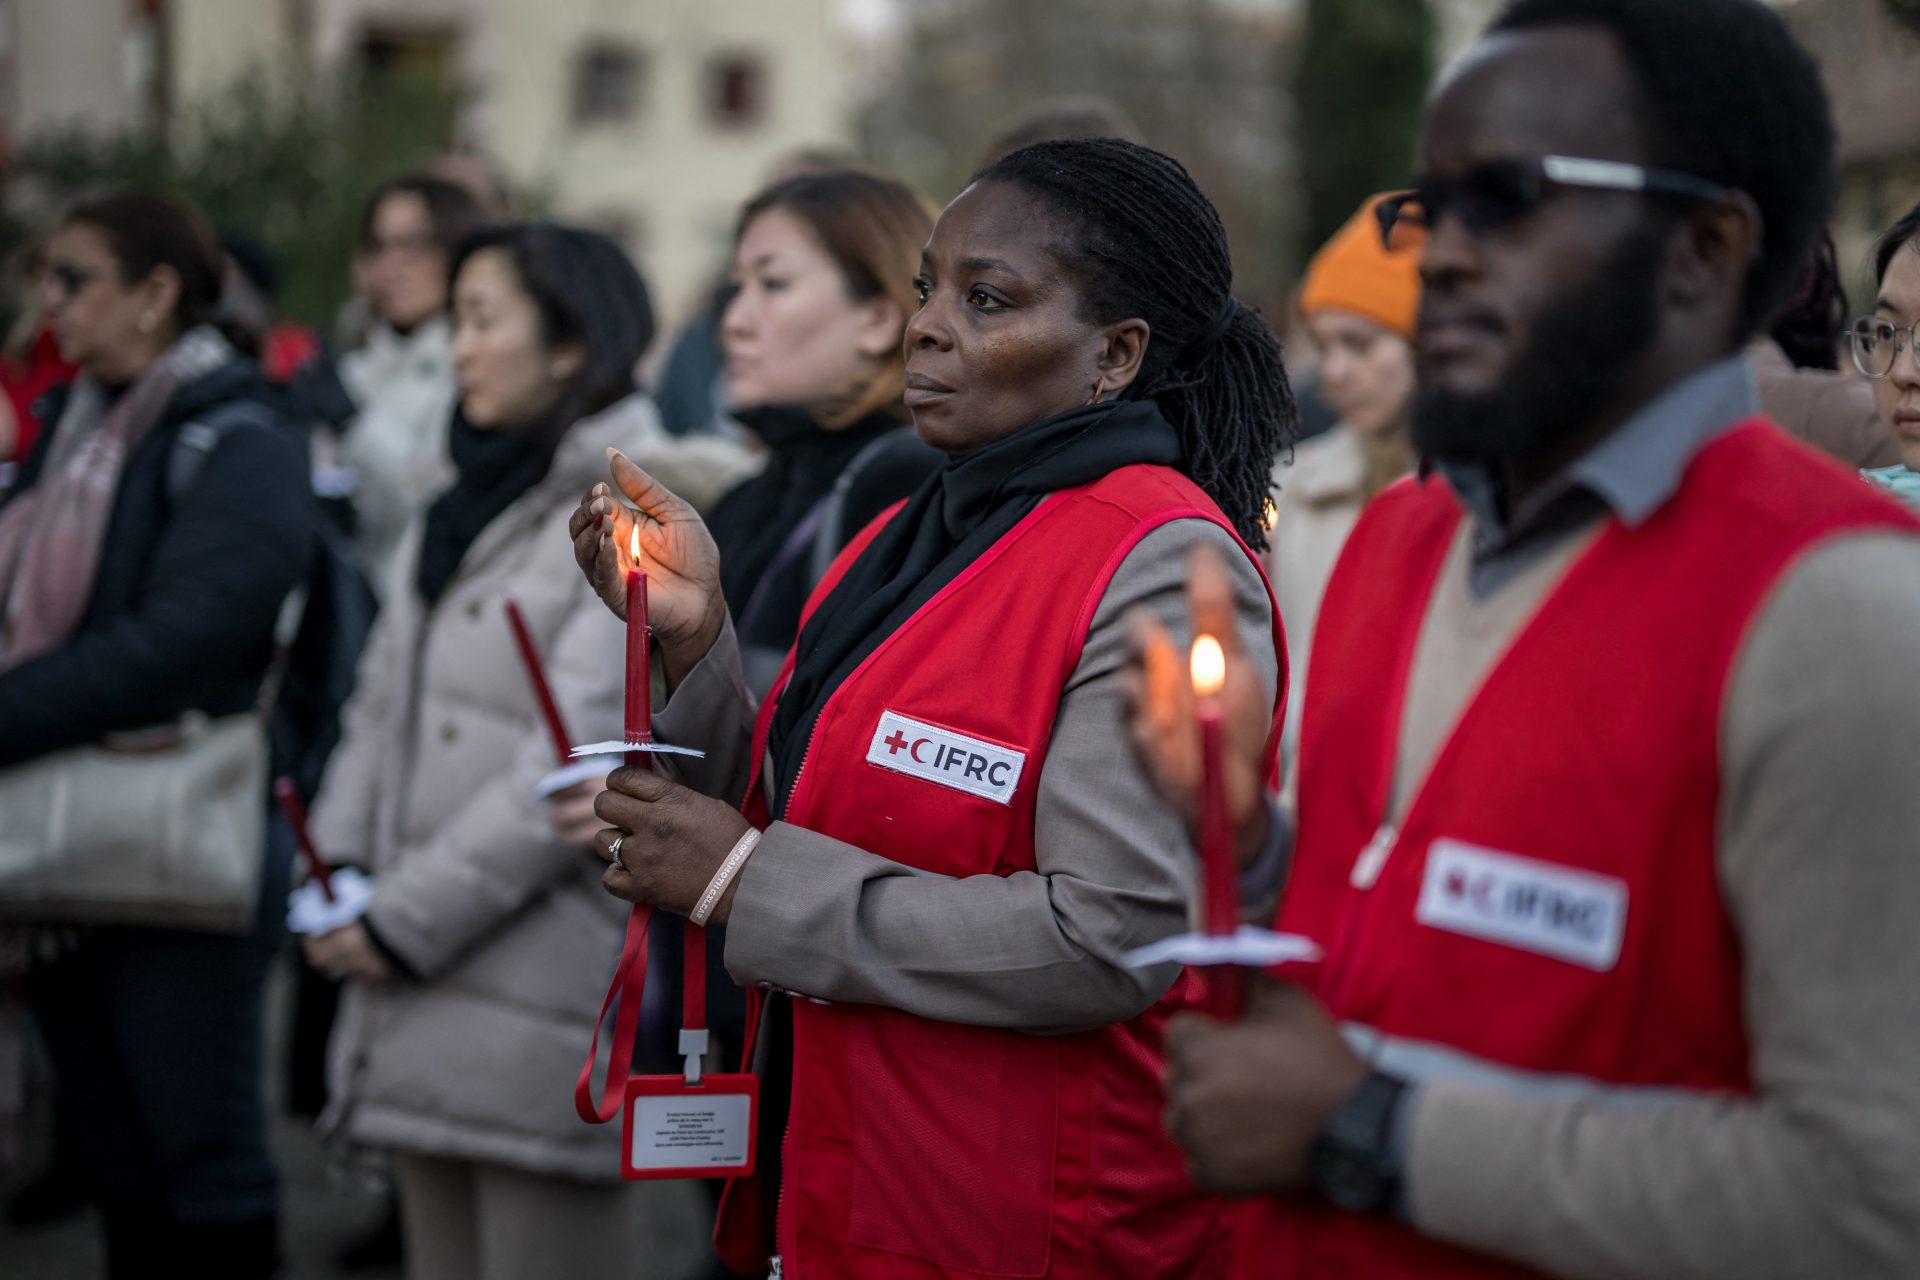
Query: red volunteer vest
[[1549, 903], [919, 1149]]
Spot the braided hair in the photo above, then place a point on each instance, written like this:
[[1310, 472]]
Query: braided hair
[[1145, 243]]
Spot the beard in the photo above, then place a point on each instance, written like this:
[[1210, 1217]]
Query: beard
[[1582, 344]]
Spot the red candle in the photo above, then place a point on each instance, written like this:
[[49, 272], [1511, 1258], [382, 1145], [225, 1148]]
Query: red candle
[[1220, 903], [639, 722], [296, 813], [542, 693]]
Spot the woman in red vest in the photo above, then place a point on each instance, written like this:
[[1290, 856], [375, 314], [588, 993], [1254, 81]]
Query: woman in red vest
[[955, 849]]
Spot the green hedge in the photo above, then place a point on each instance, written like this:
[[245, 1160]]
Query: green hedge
[[291, 167]]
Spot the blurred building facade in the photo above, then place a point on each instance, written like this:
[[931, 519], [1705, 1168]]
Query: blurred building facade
[[648, 119], [126, 64]]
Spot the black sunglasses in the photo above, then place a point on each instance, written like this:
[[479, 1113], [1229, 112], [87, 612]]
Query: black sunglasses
[[1503, 193]]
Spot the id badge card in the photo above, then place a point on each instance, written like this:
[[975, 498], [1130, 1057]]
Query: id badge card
[[673, 1129]]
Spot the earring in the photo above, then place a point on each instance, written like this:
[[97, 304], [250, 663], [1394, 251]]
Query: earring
[[147, 322], [1098, 391]]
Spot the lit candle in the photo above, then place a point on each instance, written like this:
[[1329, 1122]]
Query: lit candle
[[542, 692], [1220, 903], [639, 676], [296, 814]]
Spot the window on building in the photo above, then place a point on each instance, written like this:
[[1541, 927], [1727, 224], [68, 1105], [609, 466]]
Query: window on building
[[737, 89], [606, 83]]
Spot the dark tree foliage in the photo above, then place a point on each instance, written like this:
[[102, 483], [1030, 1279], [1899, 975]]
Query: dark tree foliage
[[1359, 84], [290, 167]]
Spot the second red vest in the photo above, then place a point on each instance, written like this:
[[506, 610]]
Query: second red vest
[[1549, 903], [923, 1150]]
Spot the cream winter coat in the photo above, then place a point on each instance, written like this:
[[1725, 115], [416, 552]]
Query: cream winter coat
[[1321, 494], [396, 446], [508, 933]]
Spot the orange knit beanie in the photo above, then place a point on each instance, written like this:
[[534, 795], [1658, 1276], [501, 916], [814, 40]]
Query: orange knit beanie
[[1355, 272]]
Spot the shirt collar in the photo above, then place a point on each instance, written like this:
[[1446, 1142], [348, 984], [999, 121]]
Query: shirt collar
[[1633, 472]]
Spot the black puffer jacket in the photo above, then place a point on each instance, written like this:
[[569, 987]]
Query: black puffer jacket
[[184, 604]]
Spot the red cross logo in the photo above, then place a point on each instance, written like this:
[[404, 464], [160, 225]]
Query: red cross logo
[[897, 743]]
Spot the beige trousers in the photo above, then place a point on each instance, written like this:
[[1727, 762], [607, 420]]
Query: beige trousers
[[470, 1221]]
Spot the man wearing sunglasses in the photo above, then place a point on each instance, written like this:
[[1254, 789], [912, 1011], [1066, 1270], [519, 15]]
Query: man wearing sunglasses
[[1607, 831]]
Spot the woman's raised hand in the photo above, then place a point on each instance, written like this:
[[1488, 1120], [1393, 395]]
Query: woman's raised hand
[[684, 605]]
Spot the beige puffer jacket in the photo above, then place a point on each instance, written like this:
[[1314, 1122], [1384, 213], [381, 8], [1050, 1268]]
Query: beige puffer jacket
[[509, 933]]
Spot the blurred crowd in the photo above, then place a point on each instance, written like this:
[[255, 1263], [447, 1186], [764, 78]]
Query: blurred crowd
[[400, 476], [210, 514]]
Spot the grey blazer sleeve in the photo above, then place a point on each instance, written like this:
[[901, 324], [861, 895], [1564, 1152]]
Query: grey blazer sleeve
[[1035, 951], [1817, 1174], [711, 711]]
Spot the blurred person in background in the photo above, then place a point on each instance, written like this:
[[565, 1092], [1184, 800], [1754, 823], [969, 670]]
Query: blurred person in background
[[1796, 367], [1882, 346], [1357, 301], [30, 363], [125, 615], [482, 179], [823, 285], [388, 403], [471, 980], [692, 393], [249, 309]]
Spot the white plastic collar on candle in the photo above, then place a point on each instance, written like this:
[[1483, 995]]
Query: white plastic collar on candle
[[308, 910], [616, 748]]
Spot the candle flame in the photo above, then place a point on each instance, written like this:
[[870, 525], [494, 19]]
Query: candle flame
[[1209, 666], [633, 543]]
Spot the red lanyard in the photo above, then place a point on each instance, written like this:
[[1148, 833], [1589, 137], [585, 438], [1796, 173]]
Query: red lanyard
[[629, 983]]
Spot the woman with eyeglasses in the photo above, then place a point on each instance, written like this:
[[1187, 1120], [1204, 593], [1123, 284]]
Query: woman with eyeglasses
[[1797, 370], [1883, 349], [387, 403]]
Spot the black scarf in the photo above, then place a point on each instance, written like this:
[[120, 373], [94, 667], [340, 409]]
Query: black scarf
[[960, 512], [496, 467], [753, 522]]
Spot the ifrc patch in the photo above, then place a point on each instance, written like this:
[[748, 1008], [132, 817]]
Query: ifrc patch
[[1576, 916], [933, 754]]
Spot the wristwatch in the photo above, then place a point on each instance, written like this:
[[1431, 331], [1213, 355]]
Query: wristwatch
[[1354, 1162]]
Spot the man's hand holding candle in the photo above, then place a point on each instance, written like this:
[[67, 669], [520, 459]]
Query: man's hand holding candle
[[686, 608], [672, 840], [1246, 1099], [1164, 722]]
